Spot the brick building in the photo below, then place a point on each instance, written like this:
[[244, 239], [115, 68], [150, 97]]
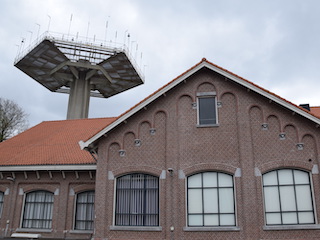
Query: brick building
[[208, 156]]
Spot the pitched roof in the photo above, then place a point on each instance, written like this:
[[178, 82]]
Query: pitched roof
[[315, 111], [204, 63], [51, 143]]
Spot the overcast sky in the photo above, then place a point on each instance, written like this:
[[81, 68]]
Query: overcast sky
[[273, 43]]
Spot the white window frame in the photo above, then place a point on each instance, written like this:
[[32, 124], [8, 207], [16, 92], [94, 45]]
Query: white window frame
[[76, 211], [283, 225], [202, 95], [218, 227]]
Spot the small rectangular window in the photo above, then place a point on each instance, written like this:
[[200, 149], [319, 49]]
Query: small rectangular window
[[207, 110]]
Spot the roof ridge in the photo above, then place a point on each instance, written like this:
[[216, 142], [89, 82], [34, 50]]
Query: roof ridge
[[78, 119]]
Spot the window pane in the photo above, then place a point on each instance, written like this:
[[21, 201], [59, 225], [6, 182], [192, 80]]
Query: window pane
[[210, 199], [207, 110], [225, 180], [271, 199], [301, 177], [285, 176], [209, 179], [306, 217], [273, 218], [194, 181], [195, 220], [304, 200], [287, 198], [270, 178], [195, 201], [289, 218], [211, 220], [226, 200], [227, 220]]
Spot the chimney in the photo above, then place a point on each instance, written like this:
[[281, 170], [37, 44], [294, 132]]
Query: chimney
[[305, 106]]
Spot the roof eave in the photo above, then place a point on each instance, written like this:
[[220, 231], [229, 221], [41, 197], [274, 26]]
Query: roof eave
[[88, 167]]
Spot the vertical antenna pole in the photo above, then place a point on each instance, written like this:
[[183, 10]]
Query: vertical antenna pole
[[49, 22], [69, 25]]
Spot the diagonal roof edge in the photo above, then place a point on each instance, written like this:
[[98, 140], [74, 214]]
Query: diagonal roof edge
[[203, 63]]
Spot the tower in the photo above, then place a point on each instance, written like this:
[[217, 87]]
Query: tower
[[80, 69]]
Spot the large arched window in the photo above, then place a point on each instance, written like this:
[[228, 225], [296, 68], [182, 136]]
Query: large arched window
[[84, 216], [38, 210], [210, 200], [137, 200], [288, 197]]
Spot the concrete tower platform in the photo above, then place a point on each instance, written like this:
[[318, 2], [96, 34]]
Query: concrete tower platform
[[80, 70]]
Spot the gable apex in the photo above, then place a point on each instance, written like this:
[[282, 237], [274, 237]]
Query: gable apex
[[204, 63]]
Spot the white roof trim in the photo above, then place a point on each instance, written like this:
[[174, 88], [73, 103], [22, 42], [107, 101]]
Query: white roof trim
[[48, 168], [234, 78]]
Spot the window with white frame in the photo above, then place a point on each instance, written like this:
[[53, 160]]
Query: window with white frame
[[207, 109], [1, 202], [137, 200], [210, 200], [84, 216], [288, 197], [38, 210]]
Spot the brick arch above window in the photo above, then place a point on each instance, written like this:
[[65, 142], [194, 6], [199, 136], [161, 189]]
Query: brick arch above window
[[274, 165], [137, 169], [41, 187], [210, 167]]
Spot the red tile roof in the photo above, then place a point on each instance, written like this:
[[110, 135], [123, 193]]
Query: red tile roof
[[51, 143], [315, 111]]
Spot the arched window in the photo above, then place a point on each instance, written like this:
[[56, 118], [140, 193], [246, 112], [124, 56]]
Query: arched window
[[210, 200], [84, 216], [38, 210], [288, 197], [137, 200]]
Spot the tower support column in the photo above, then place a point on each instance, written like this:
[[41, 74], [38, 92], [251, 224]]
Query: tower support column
[[79, 98]]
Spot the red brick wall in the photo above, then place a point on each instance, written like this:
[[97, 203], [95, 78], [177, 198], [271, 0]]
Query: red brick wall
[[239, 142], [64, 186]]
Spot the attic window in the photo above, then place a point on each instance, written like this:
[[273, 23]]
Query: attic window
[[207, 109]]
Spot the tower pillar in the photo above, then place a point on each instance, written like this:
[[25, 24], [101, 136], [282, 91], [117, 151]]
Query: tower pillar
[[79, 98]]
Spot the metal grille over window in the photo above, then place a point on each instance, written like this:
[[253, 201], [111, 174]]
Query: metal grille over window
[[38, 210], [210, 200], [85, 211], [288, 197], [207, 111], [137, 200]]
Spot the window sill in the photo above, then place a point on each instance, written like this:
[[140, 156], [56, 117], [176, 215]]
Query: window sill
[[81, 231], [40, 230], [292, 227], [136, 228], [211, 229], [207, 125], [25, 235]]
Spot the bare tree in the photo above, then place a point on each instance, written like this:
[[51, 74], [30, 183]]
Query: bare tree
[[13, 120]]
